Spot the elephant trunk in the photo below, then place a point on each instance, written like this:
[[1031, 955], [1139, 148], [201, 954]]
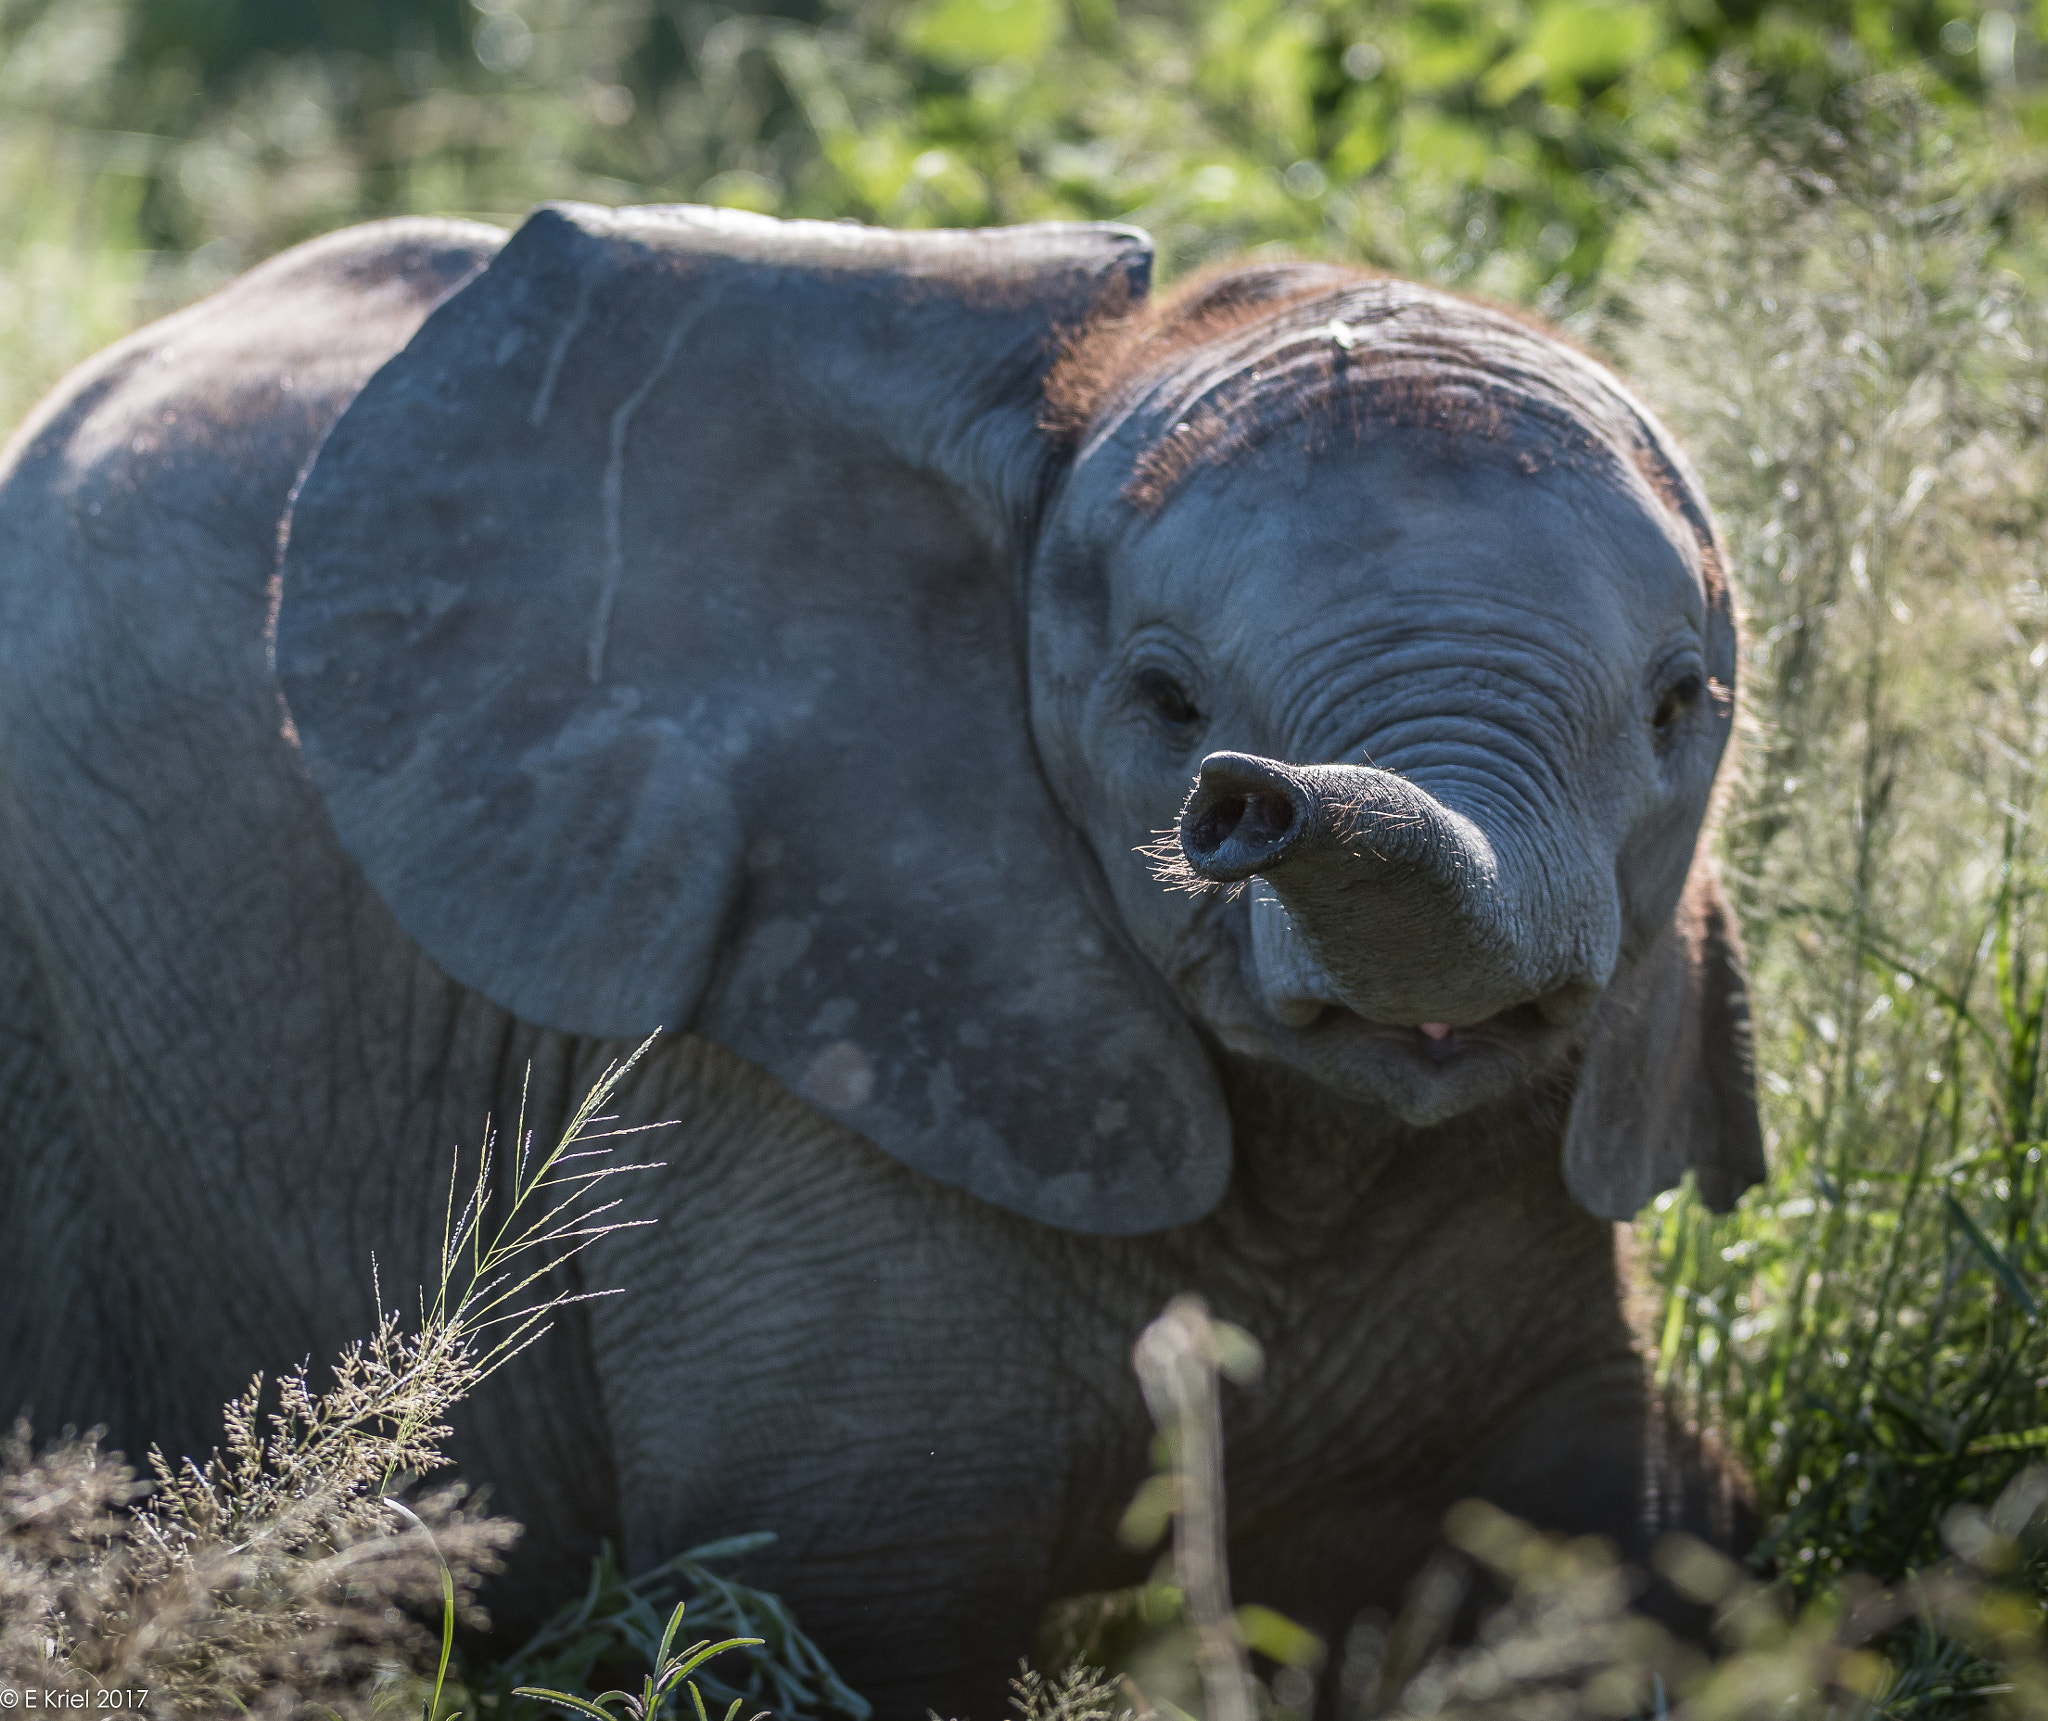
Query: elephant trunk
[[1410, 911]]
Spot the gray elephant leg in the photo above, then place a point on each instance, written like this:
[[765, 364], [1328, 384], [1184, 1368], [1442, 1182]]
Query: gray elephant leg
[[1600, 1456], [815, 1341], [1615, 1458], [1609, 1456]]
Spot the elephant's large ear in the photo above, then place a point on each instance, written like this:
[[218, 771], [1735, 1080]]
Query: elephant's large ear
[[651, 627], [1668, 1084]]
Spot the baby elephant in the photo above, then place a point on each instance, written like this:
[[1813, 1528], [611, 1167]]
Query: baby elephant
[[1102, 797]]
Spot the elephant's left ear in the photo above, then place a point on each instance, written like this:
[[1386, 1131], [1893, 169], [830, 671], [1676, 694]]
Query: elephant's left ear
[[1668, 1084], [650, 626]]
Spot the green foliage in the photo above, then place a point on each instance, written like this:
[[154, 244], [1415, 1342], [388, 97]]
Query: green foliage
[[1563, 1641], [617, 1620], [150, 148], [667, 1675], [1867, 1329]]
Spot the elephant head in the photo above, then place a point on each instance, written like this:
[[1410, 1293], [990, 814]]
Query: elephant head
[[1433, 612], [698, 626]]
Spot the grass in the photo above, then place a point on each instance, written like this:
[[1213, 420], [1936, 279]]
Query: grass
[[303, 1569], [667, 1675], [287, 1571], [1961, 1637], [1866, 1330], [618, 1621]]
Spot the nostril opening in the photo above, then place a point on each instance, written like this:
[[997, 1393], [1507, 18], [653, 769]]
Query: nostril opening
[[1211, 827], [1243, 817], [1266, 819], [1259, 821]]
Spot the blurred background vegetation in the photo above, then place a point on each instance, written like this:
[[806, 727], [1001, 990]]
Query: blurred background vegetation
[[1812, 232], [150, 148]]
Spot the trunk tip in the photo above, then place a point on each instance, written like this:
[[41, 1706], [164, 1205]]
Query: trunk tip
[[1242, 818]]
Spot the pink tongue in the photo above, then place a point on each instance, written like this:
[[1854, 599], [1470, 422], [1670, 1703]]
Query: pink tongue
[[1436, 1030]]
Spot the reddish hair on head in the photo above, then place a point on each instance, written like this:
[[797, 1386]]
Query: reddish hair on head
[[1238, 352]]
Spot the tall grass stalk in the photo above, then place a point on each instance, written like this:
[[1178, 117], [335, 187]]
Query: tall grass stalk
[[1179, 1358]]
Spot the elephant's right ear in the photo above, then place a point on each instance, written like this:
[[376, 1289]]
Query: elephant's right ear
[[651, 628], [1668, 1084]]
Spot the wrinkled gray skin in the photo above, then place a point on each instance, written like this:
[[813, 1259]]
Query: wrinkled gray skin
[[689, 626]]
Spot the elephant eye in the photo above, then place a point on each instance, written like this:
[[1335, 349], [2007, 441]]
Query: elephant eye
[[1678, 703], [1167, 699]]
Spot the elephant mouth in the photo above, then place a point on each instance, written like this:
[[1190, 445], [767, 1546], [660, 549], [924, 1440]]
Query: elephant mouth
[[1424, 1074], [1439, 1044]]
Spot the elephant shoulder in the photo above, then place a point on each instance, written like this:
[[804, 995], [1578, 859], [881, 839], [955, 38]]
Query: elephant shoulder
[[227, 399], [151, 481]]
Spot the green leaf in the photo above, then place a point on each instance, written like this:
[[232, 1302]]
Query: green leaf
[[1508, 78], [2002, 1269], [2026, 1440], [1238, 1355], [967, 33], [668, 1637], [1275, 1635], [730, 1548], [1442, 145], [1432, 57], [1590, 43], [705, 1653], [1150, 1511], [563, 1698]]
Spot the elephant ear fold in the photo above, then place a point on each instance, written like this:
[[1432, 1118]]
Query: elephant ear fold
[[650, 627], [1668, 1084]]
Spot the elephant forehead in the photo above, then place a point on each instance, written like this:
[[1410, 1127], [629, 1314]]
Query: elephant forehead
[[1406, 529]]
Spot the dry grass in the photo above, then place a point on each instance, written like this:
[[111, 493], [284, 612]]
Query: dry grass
[[290, 1573]]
